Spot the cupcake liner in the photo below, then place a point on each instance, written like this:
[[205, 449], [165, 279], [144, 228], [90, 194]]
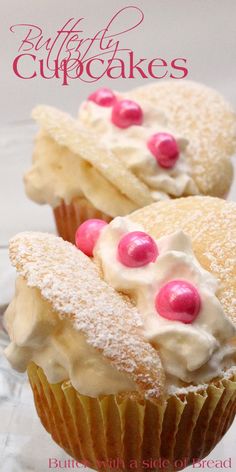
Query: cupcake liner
[[69, 217], [125, 432]]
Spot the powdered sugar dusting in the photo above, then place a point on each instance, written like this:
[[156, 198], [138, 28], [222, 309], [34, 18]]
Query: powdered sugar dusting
[[71, 283]]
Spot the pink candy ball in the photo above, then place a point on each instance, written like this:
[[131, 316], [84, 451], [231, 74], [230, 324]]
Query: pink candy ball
[[104, 97], [87, 235], [126, 113], [165, 149], [178, 300], [136, 249]]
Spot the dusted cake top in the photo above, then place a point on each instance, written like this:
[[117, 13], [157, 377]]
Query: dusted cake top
[[99, 175], [38, 334], [203, 116]]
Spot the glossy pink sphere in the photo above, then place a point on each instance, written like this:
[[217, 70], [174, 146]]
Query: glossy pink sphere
[[126, 113], [165, 149], [137, 249], [178, 300], [104, 97], [87, 235]]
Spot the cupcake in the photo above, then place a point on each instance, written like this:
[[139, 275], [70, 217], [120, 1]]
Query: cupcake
[[131, 353], [126, 151]]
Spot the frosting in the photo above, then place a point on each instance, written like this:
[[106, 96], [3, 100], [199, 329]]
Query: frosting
[[188, 327], [58, 174], [38, 334], [194, 352], [130, 145], [134, 143], [55, 173]]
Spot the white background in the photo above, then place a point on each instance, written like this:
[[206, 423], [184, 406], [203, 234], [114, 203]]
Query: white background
[[204, 32]]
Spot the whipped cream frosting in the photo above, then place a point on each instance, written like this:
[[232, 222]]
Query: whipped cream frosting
[[130, 146], [38, 334], [58, 174], [61, 173], [194, 352], [190, 353]]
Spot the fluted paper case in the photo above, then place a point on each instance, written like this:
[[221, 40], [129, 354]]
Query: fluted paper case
[[124, 432]]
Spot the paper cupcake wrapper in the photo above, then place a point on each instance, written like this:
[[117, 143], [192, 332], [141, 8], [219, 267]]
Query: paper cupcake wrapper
[[122, 432], [69, 217]]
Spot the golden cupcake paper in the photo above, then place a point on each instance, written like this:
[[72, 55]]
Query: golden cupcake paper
[[125, 433]]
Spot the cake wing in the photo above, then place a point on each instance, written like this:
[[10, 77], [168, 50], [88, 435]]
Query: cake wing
[[71, 283], [68, 132], [211, 225], [204, 117]]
